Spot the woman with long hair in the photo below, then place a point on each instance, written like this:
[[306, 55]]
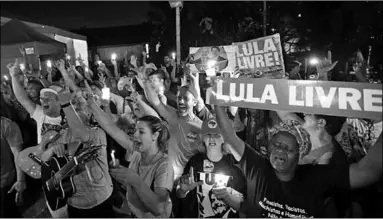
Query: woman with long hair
[[149, 177]]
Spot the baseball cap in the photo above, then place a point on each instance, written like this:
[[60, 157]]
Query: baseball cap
[[210, 126], [190, 89], [53, 89]]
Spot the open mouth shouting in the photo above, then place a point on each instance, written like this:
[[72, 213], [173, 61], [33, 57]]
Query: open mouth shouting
[[45, 106], [136, 145], [279, 158], [212, 144], [182, 108]]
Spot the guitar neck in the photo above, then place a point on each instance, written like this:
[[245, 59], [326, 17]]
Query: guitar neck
[[63, 172]]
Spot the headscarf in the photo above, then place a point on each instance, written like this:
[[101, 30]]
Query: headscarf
[[294, 128]]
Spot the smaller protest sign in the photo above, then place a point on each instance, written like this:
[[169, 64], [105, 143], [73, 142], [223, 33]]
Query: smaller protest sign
[[346, 99], [260, 58], [212, 59]]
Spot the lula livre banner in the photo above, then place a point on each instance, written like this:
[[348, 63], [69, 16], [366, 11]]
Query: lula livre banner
[[346, 99], [261, 58]]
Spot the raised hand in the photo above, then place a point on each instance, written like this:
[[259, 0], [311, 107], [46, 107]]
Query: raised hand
[[360, 63], [187, 182], [133, 61], [79, 59], [22, 51], [14, 68], [194, 76], [158, 46], [89, 96], [325, 65], [150, 66], [64, 95], [60, 64], [144, 53]]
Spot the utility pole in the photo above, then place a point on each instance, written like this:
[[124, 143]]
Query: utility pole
[[178, 35], [264, 18], [177, 5]]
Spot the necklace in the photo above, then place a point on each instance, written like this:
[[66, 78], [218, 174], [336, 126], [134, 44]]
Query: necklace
[[150, 161]]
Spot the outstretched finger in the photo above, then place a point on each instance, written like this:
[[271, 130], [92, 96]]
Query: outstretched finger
[[17, 62], [359, 56], [334, 64], [13, 188], [329, 56], [191, 173]]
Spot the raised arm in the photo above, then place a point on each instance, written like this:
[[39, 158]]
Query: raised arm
[[237, 145], [80, 131], [166, 112], [68, 80], [110, 127], [18, 88], [173, 73], [144, 107], [115, 70], [368, 170], [78, 75]]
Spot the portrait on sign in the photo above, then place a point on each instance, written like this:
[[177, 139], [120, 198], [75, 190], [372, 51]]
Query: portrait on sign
[[217, 58]]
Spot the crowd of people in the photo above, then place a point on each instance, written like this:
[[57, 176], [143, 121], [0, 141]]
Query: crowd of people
[[164, 152]]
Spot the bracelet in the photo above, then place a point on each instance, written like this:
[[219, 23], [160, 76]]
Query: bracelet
[[65, 105]]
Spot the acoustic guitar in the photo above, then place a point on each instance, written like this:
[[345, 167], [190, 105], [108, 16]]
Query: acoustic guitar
[[57, 179], [30, 158]]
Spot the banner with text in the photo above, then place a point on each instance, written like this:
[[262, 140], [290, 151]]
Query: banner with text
[[346, 99], [219, 58], [261, 58]]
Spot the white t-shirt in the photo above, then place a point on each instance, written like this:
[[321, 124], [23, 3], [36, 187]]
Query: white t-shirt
[[40, 118]]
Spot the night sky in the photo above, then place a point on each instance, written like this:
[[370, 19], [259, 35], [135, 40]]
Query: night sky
[[75, 15]]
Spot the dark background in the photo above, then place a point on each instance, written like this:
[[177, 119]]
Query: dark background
[[343, 27]]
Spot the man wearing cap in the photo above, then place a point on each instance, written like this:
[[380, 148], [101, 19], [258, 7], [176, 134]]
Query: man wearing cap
[[47, 115], [212, 179]]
